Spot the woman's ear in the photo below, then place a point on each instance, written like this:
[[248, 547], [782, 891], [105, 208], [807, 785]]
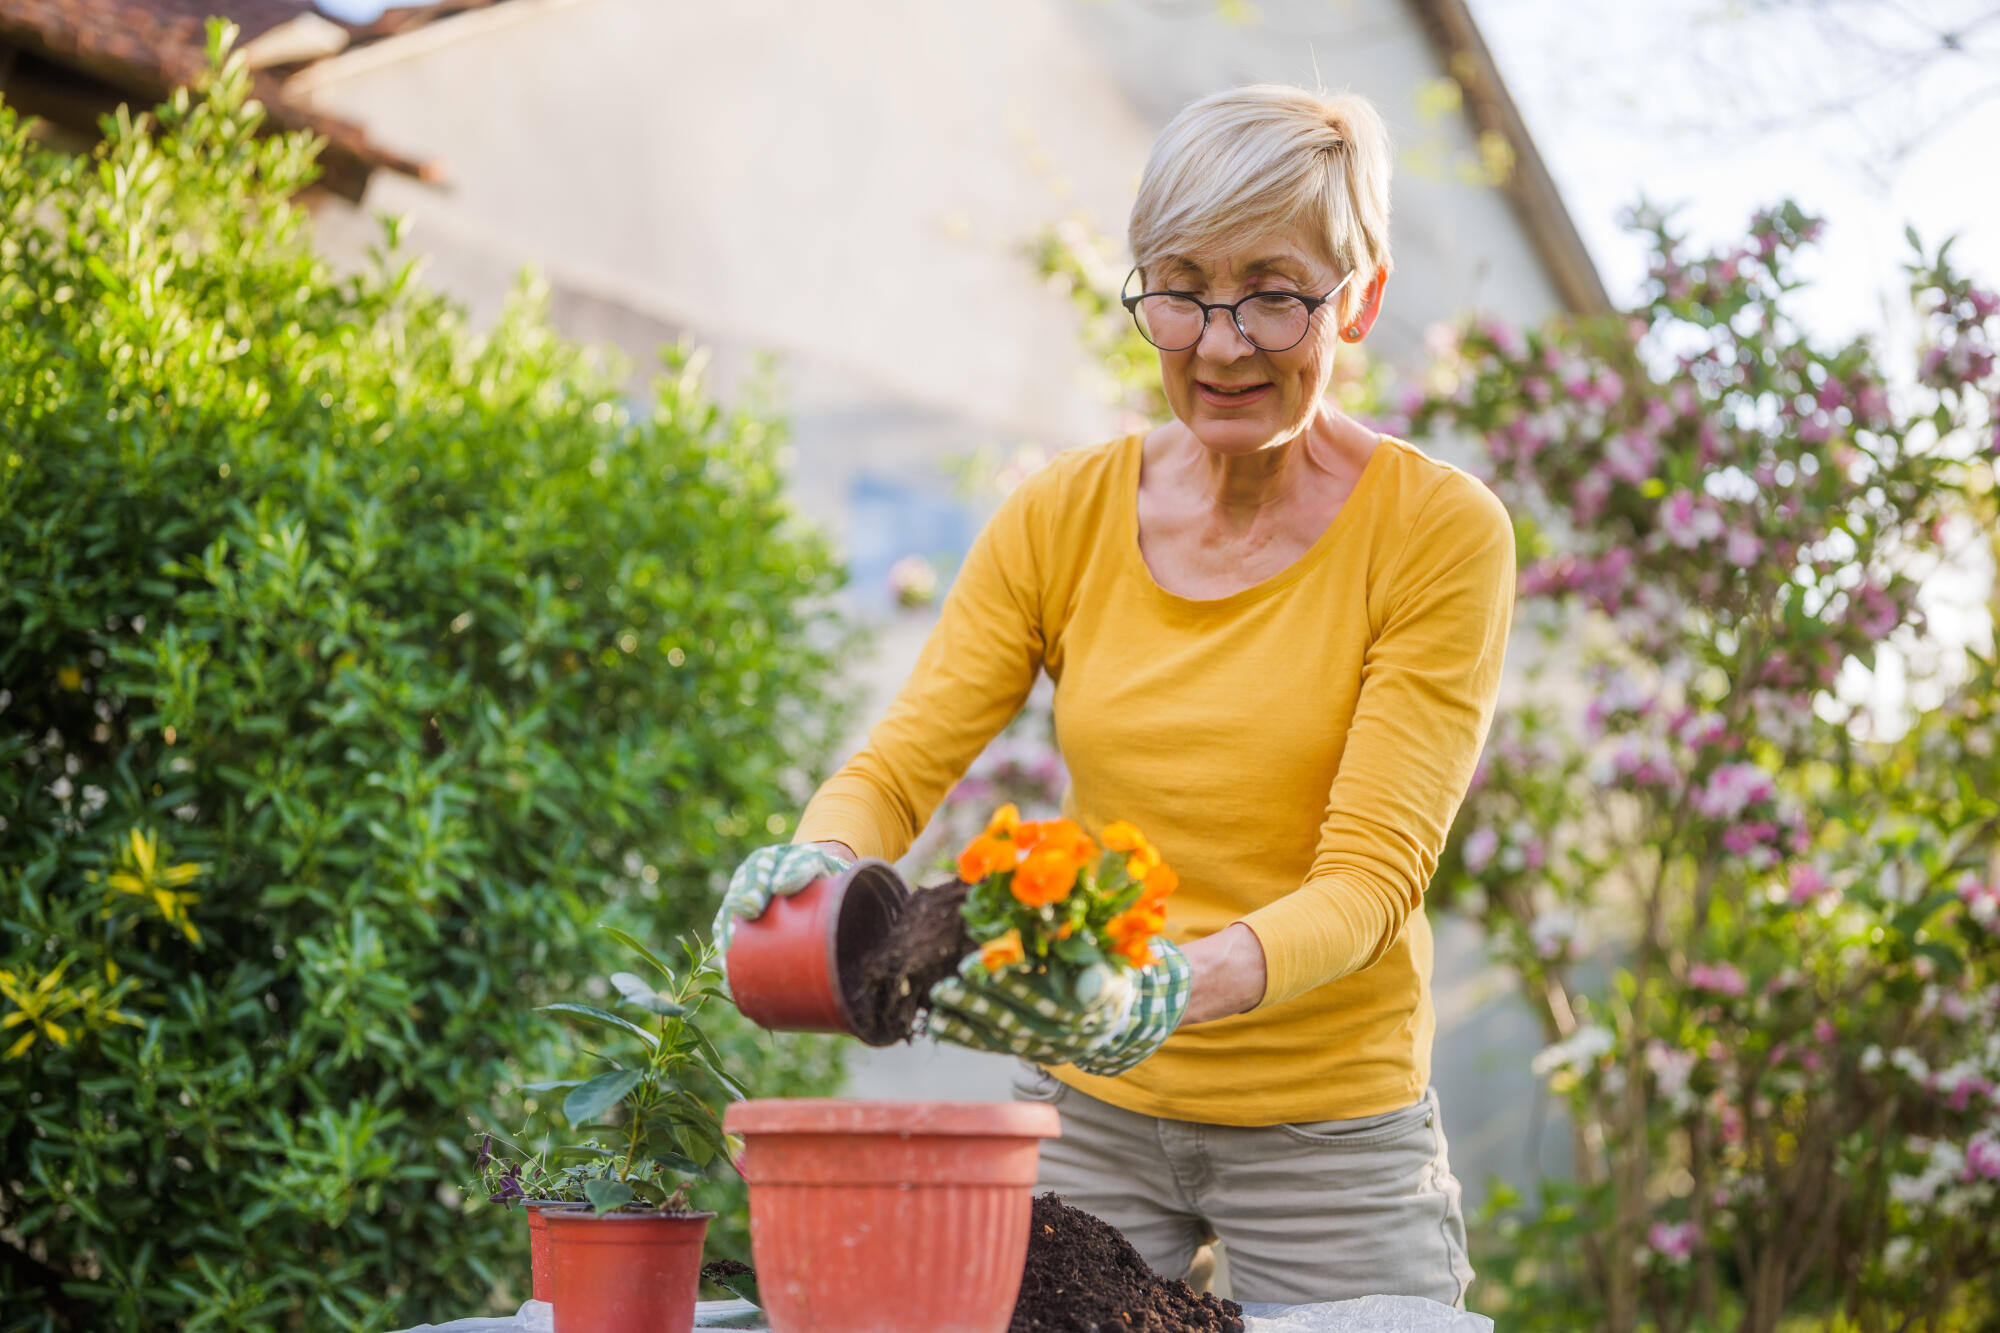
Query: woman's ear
[[1371, 305]]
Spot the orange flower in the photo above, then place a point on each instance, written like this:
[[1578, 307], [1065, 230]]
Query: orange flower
[[984, 855], [1045, 875], [1061, 833], [1005, 820], [1137, 951], [1005, 951], [1121, 836], [1161, 881], [1065, 930], [1143, 861]]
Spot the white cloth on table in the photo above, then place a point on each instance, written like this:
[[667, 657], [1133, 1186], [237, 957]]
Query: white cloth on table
[[1370, 1314]]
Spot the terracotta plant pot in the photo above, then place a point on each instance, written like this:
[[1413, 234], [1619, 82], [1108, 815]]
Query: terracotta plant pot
[[624, 1272], [890, 1217], [794, 967], [538, 1248]]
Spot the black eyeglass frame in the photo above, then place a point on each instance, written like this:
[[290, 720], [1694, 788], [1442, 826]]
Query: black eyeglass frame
[[1311, 303]]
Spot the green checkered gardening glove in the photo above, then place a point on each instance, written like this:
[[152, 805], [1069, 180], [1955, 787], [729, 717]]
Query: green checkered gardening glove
[[767, 873], [1101, 1021]]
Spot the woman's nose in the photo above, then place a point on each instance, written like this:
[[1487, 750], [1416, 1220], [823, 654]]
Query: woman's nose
[[1233, 347]]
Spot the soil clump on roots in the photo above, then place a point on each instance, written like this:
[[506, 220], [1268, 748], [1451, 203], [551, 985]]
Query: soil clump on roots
[[889, 985], [1084, 1277]]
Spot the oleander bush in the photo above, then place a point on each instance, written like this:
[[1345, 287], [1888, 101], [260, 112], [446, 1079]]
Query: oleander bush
[[354, 668], [1740, 843]]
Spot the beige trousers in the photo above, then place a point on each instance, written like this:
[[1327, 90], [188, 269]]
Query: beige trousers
[[1327, 1210]]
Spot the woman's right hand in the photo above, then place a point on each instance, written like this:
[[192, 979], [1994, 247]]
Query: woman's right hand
[[773, 872]]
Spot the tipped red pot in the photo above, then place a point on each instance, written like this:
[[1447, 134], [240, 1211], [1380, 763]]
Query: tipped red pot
[[797, 967]]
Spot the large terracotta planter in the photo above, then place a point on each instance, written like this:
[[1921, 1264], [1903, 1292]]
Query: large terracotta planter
[[794, 967], [890, 1217], [634, 1272]]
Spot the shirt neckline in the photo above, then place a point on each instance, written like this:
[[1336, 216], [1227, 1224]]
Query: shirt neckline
[[1134, 458]]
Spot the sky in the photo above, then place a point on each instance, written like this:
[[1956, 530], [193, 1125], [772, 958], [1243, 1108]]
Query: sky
[[1852, 107]]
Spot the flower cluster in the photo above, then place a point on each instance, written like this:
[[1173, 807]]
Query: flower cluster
[[1043, 889]]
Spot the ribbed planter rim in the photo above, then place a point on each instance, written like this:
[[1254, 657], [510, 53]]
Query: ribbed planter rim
[[811, 1115]]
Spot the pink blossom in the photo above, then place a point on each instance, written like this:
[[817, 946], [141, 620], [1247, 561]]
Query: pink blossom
[[1982, 902], [1871, 405], [1630, 457], [1717, 978], [1731, 789], [1982, 1156], [1824, 1031], [1984, 303], [1505, 339], [1588, 497], [1743, 839], [1480, 845], [1743, 548], [1873, 611], [1673, 1241], [1686, 522], [1807, 884]]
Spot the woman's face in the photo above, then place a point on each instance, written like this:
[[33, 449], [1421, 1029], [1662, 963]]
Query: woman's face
[[1287, 384]]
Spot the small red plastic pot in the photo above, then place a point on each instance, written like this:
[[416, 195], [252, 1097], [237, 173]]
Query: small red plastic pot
[[538, 1249], [890, 1217], [624, 1272], [794, 967]]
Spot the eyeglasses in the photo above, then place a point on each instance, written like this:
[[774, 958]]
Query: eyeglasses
[[1268, 321]]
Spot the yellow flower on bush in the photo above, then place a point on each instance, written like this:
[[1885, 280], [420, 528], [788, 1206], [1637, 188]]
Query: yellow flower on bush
[[1007, 951], [144, 878], [1005, 820]]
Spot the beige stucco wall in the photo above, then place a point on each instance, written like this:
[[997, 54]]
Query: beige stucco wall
[[849, 185]]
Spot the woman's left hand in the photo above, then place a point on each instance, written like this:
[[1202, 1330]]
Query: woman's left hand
[[1102, 1026]]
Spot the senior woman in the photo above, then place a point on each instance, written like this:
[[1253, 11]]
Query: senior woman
[[1276, 639]]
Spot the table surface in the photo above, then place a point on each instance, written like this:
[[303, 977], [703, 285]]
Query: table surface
[[1371, 1314]]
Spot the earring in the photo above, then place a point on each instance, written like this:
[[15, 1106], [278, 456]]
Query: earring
[[1353, 333]]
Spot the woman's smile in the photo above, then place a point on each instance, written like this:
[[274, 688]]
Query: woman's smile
[[1218, 395]]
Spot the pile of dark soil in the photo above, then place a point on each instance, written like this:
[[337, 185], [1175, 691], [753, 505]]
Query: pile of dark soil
[[1084, 1277], [723, 1268], [889, 985]]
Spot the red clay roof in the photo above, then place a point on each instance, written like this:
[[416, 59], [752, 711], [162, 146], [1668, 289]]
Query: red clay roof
[[149, 47]]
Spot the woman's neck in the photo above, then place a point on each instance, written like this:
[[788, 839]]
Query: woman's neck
[[1243, 489]]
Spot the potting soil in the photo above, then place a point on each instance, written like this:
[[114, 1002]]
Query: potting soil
[[1084, 1277], [889, 985]]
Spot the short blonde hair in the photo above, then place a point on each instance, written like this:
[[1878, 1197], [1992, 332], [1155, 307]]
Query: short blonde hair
[[1264, 158]]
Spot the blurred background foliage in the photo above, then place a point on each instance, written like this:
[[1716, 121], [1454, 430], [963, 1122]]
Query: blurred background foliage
[[354, 668]]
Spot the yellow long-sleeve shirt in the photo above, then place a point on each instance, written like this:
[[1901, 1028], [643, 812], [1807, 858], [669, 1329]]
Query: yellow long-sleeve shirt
[[1296, 751]]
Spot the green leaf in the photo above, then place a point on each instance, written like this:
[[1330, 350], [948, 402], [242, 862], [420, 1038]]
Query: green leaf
[[637, 991], [550, 1085], [639, 949], [610, 1020], [599, 1095], [1949, 963], [1077, 949], [607, 1195]]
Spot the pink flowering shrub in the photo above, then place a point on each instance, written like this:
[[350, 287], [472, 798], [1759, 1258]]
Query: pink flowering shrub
[[1757, 911]]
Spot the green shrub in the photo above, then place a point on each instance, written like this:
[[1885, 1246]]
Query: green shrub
[[353, 668]]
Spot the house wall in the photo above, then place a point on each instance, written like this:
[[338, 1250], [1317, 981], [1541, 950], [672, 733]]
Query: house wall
[[849, 186]]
